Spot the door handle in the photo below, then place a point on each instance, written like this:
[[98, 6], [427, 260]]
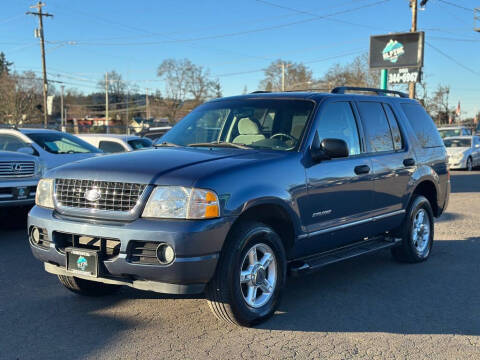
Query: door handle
[[409, 162], [362, 169]]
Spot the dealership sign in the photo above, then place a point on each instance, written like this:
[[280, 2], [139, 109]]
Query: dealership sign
[[404, 75], [395, 51]]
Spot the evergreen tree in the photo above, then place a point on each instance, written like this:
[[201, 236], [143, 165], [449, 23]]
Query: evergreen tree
[[4, 64]]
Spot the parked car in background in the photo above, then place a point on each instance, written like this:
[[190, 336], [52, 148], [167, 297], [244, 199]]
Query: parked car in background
[[114, 143], [287, 184], [53, 147], [454, 131], [156, 133], [19, 176], [463, 152]]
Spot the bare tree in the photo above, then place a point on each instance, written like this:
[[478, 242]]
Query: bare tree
[[183, 79], [116, 86], [356, 73], [20, 98], [440, 104], [297, 76]]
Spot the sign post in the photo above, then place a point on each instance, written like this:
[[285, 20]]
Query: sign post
[[383, 79]]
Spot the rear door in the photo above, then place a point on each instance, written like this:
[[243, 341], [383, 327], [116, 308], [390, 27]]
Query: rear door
[[339, 200], [392, 159]]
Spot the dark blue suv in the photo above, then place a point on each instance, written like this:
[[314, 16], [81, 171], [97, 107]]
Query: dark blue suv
[[243, 191]]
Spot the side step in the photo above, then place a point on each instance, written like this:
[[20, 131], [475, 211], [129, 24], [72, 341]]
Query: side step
[[315, 262]]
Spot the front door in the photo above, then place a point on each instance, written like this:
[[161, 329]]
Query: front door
[[336, 210]]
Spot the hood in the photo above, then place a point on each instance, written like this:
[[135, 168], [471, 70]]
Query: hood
[[456, 150], [15, 156], [55, 160], [145, 167]]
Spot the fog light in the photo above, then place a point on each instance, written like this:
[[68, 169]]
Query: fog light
[[165, 254], [35, 235]]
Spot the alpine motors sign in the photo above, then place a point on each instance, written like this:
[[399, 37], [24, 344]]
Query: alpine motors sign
[[398, 51], [404, 75]]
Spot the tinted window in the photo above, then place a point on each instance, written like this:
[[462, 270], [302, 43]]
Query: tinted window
[[337, 122], [110, 147], [423, 125], [11, 143], [377, 130], [62, 143], [396, 134], [138, 144]]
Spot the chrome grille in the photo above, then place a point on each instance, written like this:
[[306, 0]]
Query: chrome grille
[[17, 168], [113, 196]]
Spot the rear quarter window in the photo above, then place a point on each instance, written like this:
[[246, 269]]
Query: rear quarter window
[[423, 126]]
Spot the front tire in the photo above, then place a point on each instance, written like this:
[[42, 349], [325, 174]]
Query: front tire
[[416, 232], [469, 164], [247, 286], [87, 287]]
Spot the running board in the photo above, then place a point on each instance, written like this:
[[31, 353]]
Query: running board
[[315, 262]]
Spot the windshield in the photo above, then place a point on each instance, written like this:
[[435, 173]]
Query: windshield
[[451, 143], [256, 123], [450, 132], [62, 143], [138, 144]]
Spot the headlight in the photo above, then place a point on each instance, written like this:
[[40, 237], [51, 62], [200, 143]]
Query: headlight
[[44, 193], [178, 202]]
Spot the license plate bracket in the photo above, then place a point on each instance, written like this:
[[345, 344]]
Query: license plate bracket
[[21, 192], [82, 261]]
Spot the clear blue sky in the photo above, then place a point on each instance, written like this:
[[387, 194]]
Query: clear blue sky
[[235, 39]]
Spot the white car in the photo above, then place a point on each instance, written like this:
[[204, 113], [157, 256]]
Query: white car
[[463, 151], [54, 148], [450, 131], [113, 143]]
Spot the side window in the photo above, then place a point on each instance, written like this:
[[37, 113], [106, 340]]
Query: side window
[[377, 130], [422, 125], [396, 134], [338, 122], [110, 147]]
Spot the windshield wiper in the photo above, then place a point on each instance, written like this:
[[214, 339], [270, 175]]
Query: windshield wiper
[[220, 144], [166, 144]]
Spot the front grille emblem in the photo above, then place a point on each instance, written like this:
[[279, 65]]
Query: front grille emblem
[[93, 195], [16, 167]]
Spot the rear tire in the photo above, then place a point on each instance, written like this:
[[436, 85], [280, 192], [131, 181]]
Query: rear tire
[[87, 287], [416, 231], [247, 285]]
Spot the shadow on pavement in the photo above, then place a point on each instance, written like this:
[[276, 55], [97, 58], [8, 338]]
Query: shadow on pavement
[[464, 181], [375, 294]]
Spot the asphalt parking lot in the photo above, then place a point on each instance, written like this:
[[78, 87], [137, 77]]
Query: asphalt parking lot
[[367, 308]]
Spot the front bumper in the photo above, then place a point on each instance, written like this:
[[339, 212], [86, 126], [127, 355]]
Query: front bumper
[[197, 246], [461, 164], [8, 196]]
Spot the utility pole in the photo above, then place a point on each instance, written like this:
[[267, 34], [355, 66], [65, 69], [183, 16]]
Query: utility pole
[[39, 32], [283, 76], [147, 104], [106, 102], [62, 121], [413, 5]]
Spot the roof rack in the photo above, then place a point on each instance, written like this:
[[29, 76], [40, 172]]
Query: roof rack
[[382, 92], [260, 92]]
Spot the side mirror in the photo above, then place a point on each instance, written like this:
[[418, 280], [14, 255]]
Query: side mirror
[[335, 148], [26, 150], [316, 151]]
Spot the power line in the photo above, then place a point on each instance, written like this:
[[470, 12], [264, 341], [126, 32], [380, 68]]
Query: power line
[[456, 5], [453, 59], [238, 33]]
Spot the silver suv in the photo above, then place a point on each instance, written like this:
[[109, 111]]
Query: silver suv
[[19, 176]]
